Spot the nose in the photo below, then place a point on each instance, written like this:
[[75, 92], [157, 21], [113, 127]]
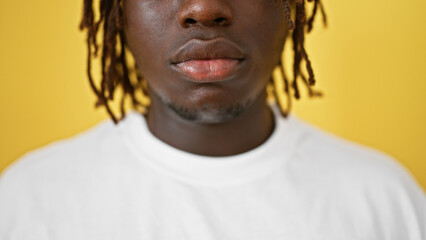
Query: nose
[[205, 13]]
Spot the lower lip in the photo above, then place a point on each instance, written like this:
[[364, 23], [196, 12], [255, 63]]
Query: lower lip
[[211, 70]]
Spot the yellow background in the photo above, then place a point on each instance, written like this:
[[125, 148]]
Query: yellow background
[[370, 62]]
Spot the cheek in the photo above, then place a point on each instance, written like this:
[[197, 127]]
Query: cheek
[[145, 31], [264, 28], [269, 33], [265, 39]]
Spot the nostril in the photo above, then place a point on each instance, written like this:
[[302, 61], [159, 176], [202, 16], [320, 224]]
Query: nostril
[[220, 20], [190, 21]]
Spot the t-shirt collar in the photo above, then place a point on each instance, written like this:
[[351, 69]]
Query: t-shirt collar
[[197, 169]]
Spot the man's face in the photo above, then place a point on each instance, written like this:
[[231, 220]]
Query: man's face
[[207, 60]]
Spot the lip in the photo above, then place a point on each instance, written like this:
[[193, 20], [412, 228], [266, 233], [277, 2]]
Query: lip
[[208, 61], [208, 70]]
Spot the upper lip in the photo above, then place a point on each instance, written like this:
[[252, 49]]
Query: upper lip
[[198, 49]]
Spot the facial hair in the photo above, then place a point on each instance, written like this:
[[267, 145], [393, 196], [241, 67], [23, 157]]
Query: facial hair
[[208, 115]]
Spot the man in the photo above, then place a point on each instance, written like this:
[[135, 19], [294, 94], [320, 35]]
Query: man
[[210, 159]]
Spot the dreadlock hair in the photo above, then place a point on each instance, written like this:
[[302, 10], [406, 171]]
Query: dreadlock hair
[[115, 71]]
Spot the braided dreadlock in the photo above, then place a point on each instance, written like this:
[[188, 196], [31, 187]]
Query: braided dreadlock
[[116, 72]]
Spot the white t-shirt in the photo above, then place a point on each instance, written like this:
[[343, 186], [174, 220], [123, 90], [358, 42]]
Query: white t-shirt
[[120, 182]]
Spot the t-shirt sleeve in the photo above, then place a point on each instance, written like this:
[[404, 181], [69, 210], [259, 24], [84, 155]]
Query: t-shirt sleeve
[[399, 203], [18, 204], [410, 206]]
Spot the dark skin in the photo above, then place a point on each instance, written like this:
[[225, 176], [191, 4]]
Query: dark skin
[[220, 118]]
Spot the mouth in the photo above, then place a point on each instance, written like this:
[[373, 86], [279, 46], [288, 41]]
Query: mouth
[[209, 70], [208, 61]]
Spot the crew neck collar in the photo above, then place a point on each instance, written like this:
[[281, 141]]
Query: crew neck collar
[[199, 169]]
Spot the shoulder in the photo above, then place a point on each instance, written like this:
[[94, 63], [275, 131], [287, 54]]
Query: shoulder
[[341, 157], [56, 177], [60, 157], [372, 187], [323, 160]]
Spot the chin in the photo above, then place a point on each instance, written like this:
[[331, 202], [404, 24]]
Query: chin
[[210, 115]]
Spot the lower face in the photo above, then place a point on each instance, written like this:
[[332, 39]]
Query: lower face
[[156, 30]]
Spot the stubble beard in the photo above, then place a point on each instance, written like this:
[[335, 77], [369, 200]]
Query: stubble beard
[[209, 115]]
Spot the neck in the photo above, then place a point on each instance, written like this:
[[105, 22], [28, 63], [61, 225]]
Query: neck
[[245, 132]]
